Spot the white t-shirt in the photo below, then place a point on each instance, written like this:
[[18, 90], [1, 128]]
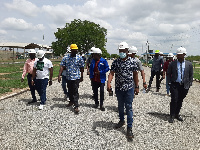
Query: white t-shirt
[[42, 68]]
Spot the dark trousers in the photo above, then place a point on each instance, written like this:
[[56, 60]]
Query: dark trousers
[[95, 86], [32, 88], [41, 86], [178, 93], [64, 81], [153, 73], [73, 86]]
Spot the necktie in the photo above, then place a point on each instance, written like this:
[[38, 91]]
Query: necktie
[[181, 73]]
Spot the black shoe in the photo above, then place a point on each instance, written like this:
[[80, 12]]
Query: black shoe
[[96, 105], [129, 133], [33, 101], [102, 108], [119, 124], [70, 104], [76, 110], [93, 96], [178, 117], [157, 90], [171, 119]]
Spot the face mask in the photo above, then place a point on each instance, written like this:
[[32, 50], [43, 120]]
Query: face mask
[[122, 55]]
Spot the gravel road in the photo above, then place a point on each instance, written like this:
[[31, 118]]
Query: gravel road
[[23, 126]]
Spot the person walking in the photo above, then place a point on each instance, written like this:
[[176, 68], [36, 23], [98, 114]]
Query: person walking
[[126, 83], [74, 65], [132, 52], [155, 70], [43, 71], [165, 68], [28, 68], [180, 77], [98, 68]]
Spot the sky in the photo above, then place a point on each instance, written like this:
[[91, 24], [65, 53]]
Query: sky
[[166, 24]]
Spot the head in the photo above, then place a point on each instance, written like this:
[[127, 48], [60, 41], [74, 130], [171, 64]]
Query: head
[[32, 53], [74, 50], [40, 55], [123, 50], [132, 51], [170, 57], [157, 53], [181, 52], [132, 55], [96, 56]]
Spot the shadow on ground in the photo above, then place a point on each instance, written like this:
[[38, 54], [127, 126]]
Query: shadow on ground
[[28, 100]]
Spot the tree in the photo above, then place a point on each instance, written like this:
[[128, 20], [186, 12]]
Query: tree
[[114, 56], [85, 34]]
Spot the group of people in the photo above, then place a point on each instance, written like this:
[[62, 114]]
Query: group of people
[[125, 68]]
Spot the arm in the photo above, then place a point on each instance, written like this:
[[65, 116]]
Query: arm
[[169, 72], [33, 76], [81, 70], [136, 81], [60, 72], [24, 71], [143, 77], [191, 74], [110, 77], [106, 68], [51, 75]]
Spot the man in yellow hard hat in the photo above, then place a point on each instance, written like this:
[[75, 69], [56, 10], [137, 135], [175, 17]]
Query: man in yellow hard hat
[[74, 65], [155, 70]]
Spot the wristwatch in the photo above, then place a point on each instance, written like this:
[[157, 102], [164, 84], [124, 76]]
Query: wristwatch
[[137, 87], [144, 83]]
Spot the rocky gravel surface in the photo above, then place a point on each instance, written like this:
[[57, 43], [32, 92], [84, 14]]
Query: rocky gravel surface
[[23, 126]]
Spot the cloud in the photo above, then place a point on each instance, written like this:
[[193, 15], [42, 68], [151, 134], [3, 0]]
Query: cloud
[[25, 7], [20, 25], [3, 32]]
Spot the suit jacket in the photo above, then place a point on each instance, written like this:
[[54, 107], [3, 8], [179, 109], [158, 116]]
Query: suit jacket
[[172, 73]]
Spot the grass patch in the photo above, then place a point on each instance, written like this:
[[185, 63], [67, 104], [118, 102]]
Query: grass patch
[[4, 90]]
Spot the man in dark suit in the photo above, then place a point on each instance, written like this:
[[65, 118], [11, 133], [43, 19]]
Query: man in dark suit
[[180, 77]]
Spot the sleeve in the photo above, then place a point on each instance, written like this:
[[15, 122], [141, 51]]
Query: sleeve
[[113, 66], [50, 64], [81, 62], [25, 69], [191, 74], [140, 68], [162, 63], [106, 67], [63, 62], [169, 72]]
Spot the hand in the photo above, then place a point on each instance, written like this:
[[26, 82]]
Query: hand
[[136, 91], [145, 86], [59, 79], [22, 80], [50, 82], [81, 79], [108, 87], [163, 76], [32, 83]]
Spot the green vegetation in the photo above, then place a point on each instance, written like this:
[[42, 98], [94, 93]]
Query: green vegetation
[[10, 76]]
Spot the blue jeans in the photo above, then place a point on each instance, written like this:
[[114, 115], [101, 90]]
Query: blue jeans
[[41, 86], [125, 97], [167, 86], [64, 81]]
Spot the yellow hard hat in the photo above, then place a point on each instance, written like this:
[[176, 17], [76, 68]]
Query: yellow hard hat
[[73, 46], [157, 51]]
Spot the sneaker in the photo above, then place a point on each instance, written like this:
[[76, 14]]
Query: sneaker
[[76, 110], [119, 124], [102, 108], [41, 107], [129, 133], [157, 90], [33, 101]]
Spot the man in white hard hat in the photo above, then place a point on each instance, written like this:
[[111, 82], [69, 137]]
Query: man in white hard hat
[[43, 71], [88, 62], [98, 68], [28, 68], [165, 68], [132, 52], [126, 83], [180, 77]]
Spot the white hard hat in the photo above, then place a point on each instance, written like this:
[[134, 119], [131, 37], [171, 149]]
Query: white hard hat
[[40, 53], [31, 51], [170, 55], [132, 49], [160, 53], [181, 50], [123, 45], [97, 51], [91, 50]]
